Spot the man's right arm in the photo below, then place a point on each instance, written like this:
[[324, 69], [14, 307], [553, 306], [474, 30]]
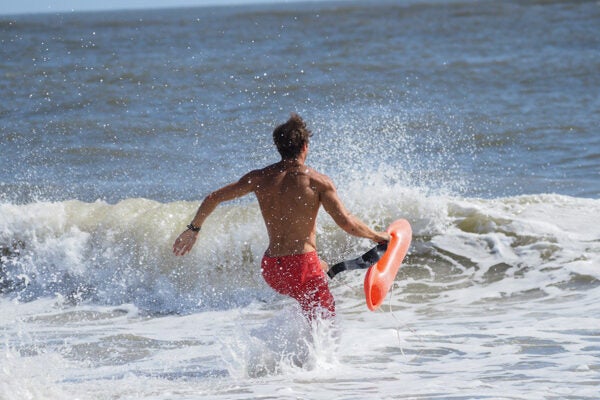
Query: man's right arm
[[333, 206], [184, 243]]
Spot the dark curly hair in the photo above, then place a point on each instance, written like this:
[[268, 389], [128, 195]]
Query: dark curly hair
[[291, 136]]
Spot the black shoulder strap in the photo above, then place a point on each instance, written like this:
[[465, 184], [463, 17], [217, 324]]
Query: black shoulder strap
[[362, 262]]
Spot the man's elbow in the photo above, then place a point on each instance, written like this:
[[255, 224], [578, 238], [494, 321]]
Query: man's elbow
[[212, 200]]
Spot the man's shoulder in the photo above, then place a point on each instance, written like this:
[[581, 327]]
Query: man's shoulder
[[320, 180], [259, 177], [260, 171]]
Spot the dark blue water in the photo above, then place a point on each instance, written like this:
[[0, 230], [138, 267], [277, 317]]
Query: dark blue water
[[475, 98]]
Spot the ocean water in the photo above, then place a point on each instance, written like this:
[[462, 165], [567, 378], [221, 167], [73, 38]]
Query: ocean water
[[477, 121]]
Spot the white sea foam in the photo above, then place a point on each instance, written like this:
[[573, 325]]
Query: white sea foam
[[492, 293]]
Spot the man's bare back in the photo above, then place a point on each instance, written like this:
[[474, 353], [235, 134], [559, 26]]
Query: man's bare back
[[288, 194]]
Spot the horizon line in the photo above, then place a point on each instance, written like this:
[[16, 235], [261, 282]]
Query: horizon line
[[134, 7]]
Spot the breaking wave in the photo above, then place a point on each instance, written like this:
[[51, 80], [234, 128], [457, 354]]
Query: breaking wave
[[111, 254]]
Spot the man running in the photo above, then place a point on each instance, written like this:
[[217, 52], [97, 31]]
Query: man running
[[289, 194]]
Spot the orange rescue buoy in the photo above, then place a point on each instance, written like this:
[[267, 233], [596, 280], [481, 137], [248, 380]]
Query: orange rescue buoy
[[380, 276]]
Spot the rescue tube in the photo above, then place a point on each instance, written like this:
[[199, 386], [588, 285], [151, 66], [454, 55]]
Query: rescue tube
[[380, 276]]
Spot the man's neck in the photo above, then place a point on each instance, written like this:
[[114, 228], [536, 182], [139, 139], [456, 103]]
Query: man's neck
[[292, 162]]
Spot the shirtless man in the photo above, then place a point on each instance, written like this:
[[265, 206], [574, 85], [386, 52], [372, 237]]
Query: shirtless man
[[289, 194]]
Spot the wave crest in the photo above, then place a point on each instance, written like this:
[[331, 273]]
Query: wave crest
[[121, 253]]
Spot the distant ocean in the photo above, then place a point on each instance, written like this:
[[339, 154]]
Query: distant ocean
[[478, 121]]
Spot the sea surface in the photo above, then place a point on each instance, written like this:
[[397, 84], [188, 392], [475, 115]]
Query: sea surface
[[477, 121]]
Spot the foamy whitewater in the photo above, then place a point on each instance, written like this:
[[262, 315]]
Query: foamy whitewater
[[476, 121]]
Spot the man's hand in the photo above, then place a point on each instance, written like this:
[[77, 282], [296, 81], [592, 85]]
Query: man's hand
[[384, 237], [184, 242]]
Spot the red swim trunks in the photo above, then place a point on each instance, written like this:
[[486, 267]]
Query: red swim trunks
[[301, 277]]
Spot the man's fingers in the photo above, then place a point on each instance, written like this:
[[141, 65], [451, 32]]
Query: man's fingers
[[184, 248], [183, 244], [179, 248]]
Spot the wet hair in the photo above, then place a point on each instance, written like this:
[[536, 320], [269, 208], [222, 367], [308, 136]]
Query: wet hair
[[291, 136]]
